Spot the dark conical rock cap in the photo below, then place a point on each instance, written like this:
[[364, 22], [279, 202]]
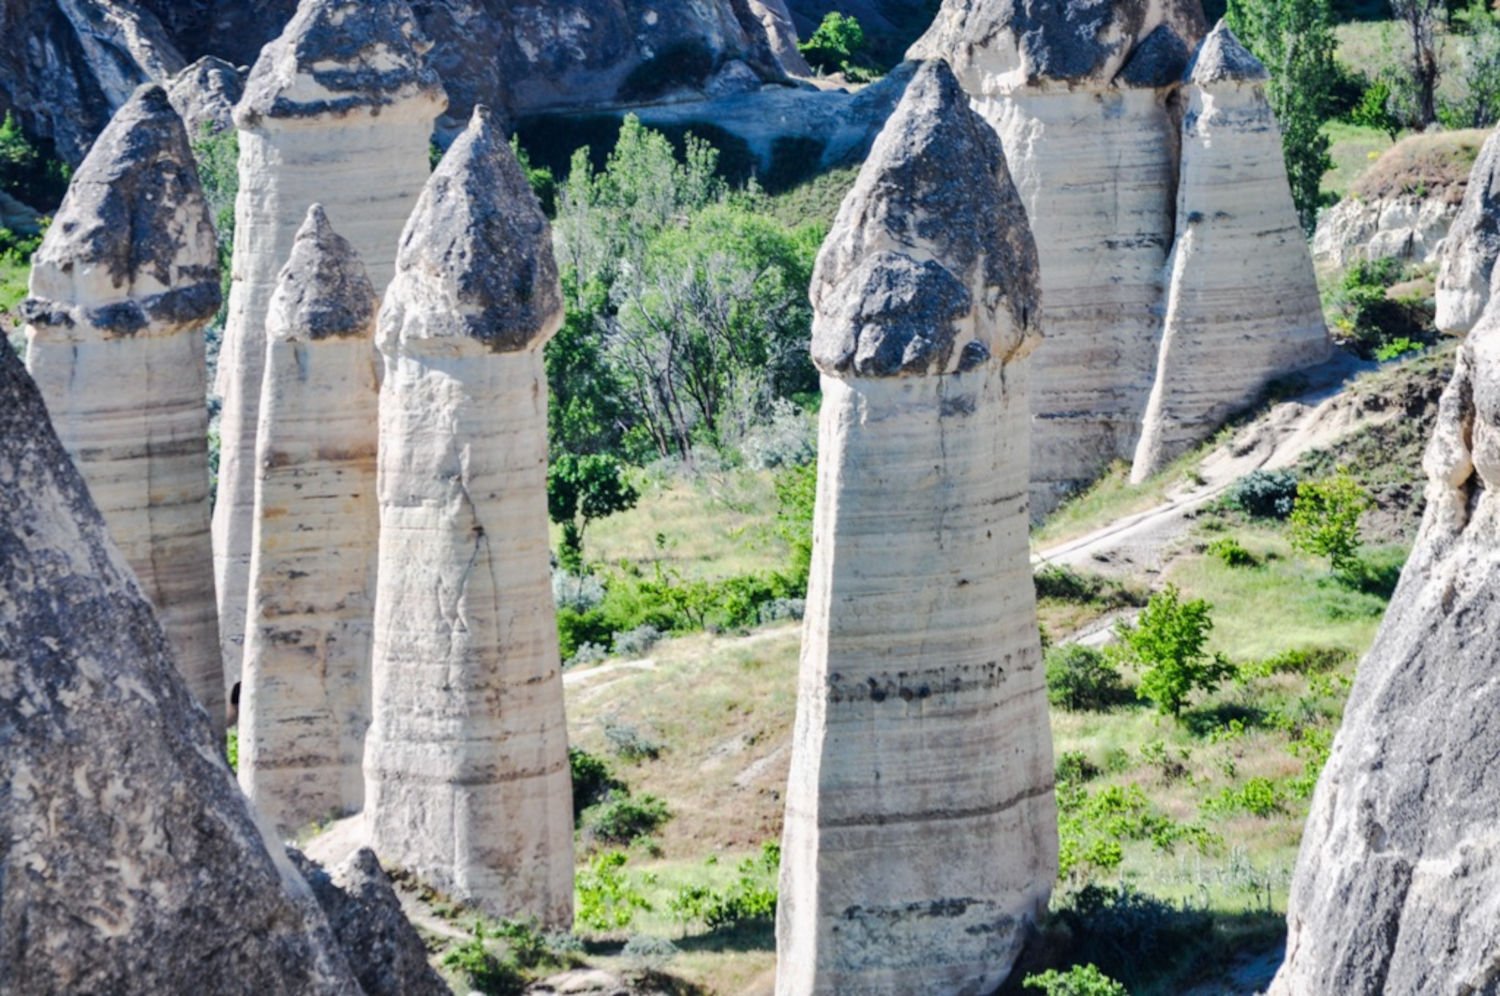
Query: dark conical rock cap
[[136, 211], [932, 220], [476, 256], [338, 56], [1222, 59], [324, 290]]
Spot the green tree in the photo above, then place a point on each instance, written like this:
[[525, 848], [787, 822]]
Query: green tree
[[834, 44], [1294, 38], [1080, 677], [581, 489], [1325, 521], [1480, 107], [1080, 980], [1169, 643], [1420, 18]]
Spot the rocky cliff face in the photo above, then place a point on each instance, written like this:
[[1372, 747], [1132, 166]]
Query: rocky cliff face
[[121, 288], [1468, 254], [1397, 889], [1087, 99], [920, 843], [466, 762], [131, 863], [305, 691]]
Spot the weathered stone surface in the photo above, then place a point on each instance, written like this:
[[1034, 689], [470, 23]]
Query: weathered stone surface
[[338, 110], [204, 95], [466, 762], [1467, 256], [781, 34], [125, 45], [121, 287], [1397, 888], [1406, 227], [920, 843], [386, 951], [305, 688], [131, 862], [1242, 299]]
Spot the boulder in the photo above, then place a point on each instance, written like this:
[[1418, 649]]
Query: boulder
[[1467, 256], [920, 841], [1397, 887], [338, 110], [205, 94], [131, 862], [120, 290], [305, 688], [466, 761]]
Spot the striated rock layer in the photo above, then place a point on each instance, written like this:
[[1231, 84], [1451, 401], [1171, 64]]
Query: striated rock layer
[[921, 842], [1087, 100], [1232, 315], [1467, 256], [304, 698], [466, 762], [121, 288], [131, 863], [1397, 888], [338, 110]]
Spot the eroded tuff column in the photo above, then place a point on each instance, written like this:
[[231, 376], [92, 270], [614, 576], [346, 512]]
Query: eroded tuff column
[[466, 762], [1467, 255], [921, 836], [1397, 888], [305, 693], [1084, 97], [1242, 302], [121, 288], [338, 110]]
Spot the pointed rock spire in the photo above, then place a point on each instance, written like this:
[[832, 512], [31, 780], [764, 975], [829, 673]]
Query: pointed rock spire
[[305, 688], [1467, 256], [121, 287], [466, 762], [1222, 59], [920, 663]]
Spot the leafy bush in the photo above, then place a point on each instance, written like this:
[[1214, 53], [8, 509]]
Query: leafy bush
[[626, 820], [1367, 316], [232, 748], [606, 900], [1325, 521], [1129, 935], [1080, 677], [592, 780], [749, 902], [1258, 797], [1397, 348], [1232, 553], [1373, 110], [645, 953], [834, 44], [637, 642], [1067, 585], [1080, 980], [581, 489], [1168, 641], [1264, 494], [481, 969], [1093, 827], [630, 743], [1074, 766], [576, 592]]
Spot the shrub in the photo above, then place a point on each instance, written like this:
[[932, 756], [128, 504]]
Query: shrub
[[1080, 677], [629, 742], [1325, 521], [1368, 317], [1229, 550], [637, 641], [1080, 980], [577, 592], [749, 902], [606, 899], [1093, 827], [1074, 766], [1397, 348], [1169, 643], [626, 820], [645, 953], [1131, 935], [1264, 494], [592, 779], [480, 969], [1258, 797], [1067, 585], [834, 44], [581, 489]]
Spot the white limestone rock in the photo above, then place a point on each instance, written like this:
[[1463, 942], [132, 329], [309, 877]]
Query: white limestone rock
[[305, 690], [921, 838], [1397, 887], [121, 288], [131, 864], [1468, 254], [781, 34], [1404, 227], [205, 95], [466, 761], [338, 110], [1242, 300]]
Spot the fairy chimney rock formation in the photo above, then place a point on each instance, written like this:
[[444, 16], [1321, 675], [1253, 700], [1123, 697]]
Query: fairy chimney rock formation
[[338, 110], [1467, 256], [121, 288], [1242, 298], [466, 761], [921, 840], [131, 864], [304, 697], [1088, 101], [1397, 888]]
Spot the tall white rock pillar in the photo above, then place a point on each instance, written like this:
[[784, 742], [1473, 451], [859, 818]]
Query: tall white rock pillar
[[921, 840], [466, 763]]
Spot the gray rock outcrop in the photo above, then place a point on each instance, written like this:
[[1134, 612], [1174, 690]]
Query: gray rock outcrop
[[131, 863], [121, 288], [205, 95], [1087, 99], [1242, 298], [305, 687], [466, 761], [920, 841], [386, 951], [1397, 888], [1468, 254], [339, 111]]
